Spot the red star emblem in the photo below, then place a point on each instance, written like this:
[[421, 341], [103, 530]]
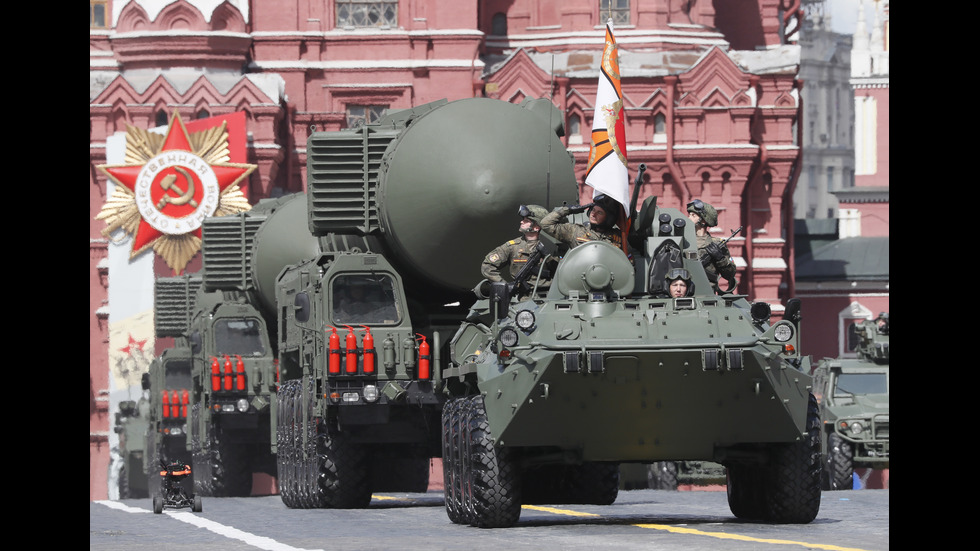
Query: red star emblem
[[169, 186], [133, 346]]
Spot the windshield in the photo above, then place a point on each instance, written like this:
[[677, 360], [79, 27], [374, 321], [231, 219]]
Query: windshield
[[861, 383], [240, 336], [177, 374], [364, 299]]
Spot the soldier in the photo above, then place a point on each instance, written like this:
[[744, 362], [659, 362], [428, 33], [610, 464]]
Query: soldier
[[506, 261], [713, 251], [603, 215], [882, 323], [679, 283]]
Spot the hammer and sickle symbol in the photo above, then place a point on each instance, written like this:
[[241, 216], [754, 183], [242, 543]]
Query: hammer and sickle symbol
[[185, 196]]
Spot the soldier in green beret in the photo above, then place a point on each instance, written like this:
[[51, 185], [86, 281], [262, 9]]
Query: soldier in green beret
[[506, 261], [713, 251]]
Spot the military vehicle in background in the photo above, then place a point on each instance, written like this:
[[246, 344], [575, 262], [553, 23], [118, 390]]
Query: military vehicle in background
[[548, 396], [220, 376], [154, 427], [853, 398], [131, 423]]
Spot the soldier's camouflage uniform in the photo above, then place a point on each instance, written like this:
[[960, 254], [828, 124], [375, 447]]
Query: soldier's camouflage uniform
[[513, 256], [724, 267], [576, 234]]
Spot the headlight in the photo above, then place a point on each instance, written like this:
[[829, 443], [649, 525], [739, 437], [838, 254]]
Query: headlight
[[370, 393], [525, 319], [508, 337], [857, 428], [783, 332], [242, 405]]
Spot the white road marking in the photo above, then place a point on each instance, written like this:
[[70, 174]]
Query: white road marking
[[227, 531]]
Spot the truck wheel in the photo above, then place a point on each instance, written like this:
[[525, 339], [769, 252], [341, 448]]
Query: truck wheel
[[495, 478], [793, 477], [231, 473], [343, 478], [157, 504], [284, 444], [464, 475], [449, 461], [662, 475], [746, 495], [839, 464], [198, 505]]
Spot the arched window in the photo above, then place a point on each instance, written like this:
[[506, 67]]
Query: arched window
[[203, 114], [659, 128], [574, 129], [499, 24], [161, 119]]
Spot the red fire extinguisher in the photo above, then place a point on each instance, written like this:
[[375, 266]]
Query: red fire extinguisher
[[334, 364], [215, 374], [424, 359], [368, 345], [351, 363], [227, 373]]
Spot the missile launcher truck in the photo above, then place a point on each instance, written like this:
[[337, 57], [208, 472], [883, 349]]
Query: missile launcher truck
[[547, 396], [218, 417], [853, 397]]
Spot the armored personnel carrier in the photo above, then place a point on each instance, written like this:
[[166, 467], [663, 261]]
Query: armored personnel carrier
[[548, 396], [853, 398]]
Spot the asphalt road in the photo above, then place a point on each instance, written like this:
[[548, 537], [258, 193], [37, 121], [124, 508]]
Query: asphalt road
[[639, 519]]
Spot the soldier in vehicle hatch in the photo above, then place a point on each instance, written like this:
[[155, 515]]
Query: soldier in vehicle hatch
[[603, 216], [679, 283], [882, 322], [715, 258], [506, 261]]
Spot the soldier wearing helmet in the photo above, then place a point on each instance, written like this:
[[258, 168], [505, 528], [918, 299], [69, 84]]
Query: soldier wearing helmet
[[882, 322], [506, 261], [715, 258], [679, 283], [603, 216]]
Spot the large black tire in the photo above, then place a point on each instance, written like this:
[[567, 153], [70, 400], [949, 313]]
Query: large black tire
[[231, 472], [343, 474], [157, 504], [495, 479], [450, 460], [662, 475], [793, 476], [464, 474], [746, 492], [198, 505], [838, 472], [284, 444]]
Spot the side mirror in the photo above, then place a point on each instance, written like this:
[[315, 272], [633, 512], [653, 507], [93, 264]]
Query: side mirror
[[793, 311], [302, 305], [500, 299], [145, 381]]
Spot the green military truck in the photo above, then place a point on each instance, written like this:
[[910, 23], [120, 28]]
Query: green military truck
[[548, 396], [131, 424], [853, 396], [225, 403]]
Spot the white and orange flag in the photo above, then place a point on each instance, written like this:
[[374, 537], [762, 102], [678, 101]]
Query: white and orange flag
[[606, 171]]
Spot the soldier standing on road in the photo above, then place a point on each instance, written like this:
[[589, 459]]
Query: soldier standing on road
[[715, 258], [603, 215], [506, 261]]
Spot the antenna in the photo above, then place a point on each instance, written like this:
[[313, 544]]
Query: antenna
[[551, 95]]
